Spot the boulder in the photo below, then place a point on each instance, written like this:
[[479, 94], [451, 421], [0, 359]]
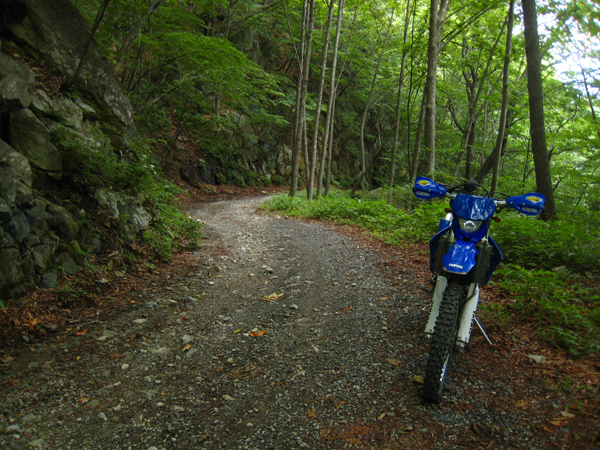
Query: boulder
[[18, 227], [68, 113], [122, 206], [31, 138], [63, 221], [10, 266], [16, 81], [15, 180]]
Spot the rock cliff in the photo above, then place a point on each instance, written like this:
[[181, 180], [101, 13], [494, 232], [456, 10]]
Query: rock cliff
[[38, 237]]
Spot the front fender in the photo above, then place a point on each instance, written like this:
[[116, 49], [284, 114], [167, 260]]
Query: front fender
[[460, 258]]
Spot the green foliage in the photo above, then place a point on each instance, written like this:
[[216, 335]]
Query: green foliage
[[139, 176], [421, 225], [565, 307], [389, 223], [285, 204], [533, 243]]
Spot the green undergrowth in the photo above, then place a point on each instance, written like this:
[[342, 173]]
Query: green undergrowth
[[566, 306], [548, 268], [137, 175], [388, 223]]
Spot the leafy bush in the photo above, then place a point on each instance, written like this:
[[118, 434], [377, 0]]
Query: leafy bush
[[565, 307], [373, 215], [534, 243]]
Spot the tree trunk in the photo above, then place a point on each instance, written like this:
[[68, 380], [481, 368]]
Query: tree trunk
[[399, 100], [536, 109], [330, 153], [325, 154], [363, 120], [301, 92], [488, 163], [417, 149], [134, 31], [299, 115], [504, 107], [313, 153], [97, 21], [437, 14]]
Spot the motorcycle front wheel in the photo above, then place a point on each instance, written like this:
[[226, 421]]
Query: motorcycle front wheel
[[442, 343]]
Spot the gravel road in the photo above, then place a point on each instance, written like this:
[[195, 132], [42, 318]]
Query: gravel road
[[280, 334]]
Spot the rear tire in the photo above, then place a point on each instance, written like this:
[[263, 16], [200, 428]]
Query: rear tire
[[442, 343]]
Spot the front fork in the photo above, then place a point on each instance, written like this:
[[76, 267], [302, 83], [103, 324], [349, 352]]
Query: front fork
[[467, 312]]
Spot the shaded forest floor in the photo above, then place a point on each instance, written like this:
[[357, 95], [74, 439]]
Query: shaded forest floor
[[570, 400]]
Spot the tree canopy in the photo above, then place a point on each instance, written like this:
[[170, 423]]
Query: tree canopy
[[405, 99]]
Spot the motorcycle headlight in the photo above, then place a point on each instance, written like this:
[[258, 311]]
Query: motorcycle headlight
[[469, 225]]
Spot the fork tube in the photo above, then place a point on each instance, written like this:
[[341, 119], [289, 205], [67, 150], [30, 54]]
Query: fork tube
[[467, 316], [438, 294]]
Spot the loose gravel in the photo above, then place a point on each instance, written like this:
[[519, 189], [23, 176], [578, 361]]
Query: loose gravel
[[282, 334]]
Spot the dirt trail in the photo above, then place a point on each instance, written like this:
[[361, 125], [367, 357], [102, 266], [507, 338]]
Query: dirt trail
[[281, 334]]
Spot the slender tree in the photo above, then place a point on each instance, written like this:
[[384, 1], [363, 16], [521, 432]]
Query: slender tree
[[326, 148], [437, 14], [504, 107], [363, 120], [399, 99], [536, 109], [313, 153], [301, 92], [95, 26]]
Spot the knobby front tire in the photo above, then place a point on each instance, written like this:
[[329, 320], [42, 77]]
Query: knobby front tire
[[442, 343]]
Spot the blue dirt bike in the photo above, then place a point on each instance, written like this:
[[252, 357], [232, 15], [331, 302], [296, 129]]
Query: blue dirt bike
[[463, 257]]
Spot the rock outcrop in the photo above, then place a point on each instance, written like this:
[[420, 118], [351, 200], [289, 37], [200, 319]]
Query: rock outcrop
[[39, 238], [54, 31]]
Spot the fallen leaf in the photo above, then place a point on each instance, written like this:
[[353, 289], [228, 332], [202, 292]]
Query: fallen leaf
[[347, 309], [567, 415], [393, 362], [312, 415], [258, 333], [83, 400], [381, 416], [187, 347], [273, 296], [381, 298], [339, 404], [328, 433], [559, 421], [81, 333], [521, 404], [418, 379]]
